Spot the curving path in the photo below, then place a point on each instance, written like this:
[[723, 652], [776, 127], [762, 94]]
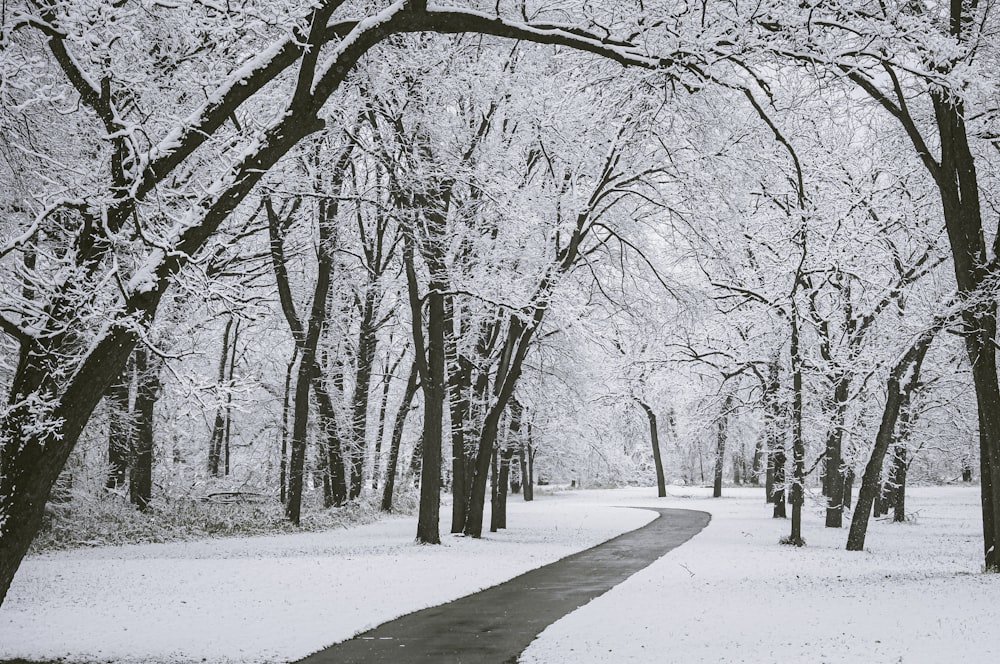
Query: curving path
[[495, 625]]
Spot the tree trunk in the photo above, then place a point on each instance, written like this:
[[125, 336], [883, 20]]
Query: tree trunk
[[529, 477], [720, 447], [219, 426], [654, 438], [503, 484], [308, 366], [45, 440], [397, 437], [494, 491], [431, 364], [147, 371], [798, 445], [229, 397], [459, 379], [848, 487], [899, 480], [757, 465], [362, 384], [285, 410], [834, 458], [382, 410], [120, 429], [895, 394], [334, 461]]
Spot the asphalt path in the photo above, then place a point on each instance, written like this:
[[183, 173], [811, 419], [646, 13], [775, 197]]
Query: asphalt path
[[495, 625]]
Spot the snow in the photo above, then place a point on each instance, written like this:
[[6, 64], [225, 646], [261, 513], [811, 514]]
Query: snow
[[269, 599], [731, 594]]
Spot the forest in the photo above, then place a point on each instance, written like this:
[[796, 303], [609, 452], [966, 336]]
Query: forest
[[271, 266]]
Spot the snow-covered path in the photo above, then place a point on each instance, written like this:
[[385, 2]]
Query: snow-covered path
[[729, 595]]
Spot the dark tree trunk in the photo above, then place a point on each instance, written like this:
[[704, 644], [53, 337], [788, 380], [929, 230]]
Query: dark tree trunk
[[529, 470], [219, 426], [775, 421], [430, 361], [958, 185], [720, 447], [229, 397], [397, 436], [285, 410], [494, 491], [654, 439], [382, 411], [899, 479], [834, 479], [120, 429], [848, 487], [757, 465], [503, 484], [308, 367], [459, 385], [895, 397], [879, 505], [798, 445], [362, 385], [28, 474], [147, 370], [331, 448]]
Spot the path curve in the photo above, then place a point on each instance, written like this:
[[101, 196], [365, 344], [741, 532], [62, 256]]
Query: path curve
[[497, 624]]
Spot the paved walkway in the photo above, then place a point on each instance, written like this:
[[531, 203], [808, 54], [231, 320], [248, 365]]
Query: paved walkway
[[495, 625]]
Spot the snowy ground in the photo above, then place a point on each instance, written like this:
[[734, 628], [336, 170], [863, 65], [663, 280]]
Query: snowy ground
[[273, 599], [731, 594]]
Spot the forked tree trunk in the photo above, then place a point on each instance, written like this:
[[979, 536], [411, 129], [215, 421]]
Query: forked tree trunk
[[397, 436], [895, 397]]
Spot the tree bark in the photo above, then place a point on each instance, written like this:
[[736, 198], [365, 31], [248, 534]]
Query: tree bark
[[147, 371], [397, 436], [334, 461], [459, 386], [798, 444], [720, 447], [895, 397], [834, 458], [219, 426], [120, 429], [654, 438], [362, 384]]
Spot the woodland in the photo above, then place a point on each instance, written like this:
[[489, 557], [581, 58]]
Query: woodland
[[270, 265]]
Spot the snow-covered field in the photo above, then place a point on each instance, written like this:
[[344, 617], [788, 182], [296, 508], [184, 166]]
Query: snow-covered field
[[731, 594]]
